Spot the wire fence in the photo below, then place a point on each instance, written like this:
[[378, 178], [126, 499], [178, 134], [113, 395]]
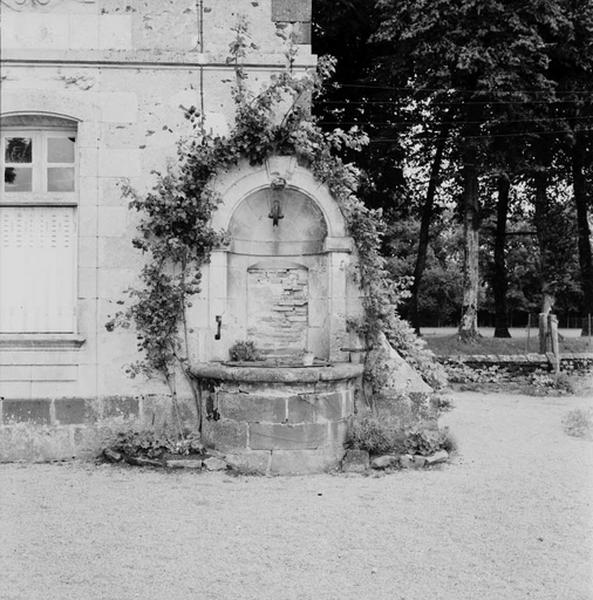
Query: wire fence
[[573, 327]]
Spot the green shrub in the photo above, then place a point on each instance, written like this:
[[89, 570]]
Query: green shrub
[[459, 372], [579, 423], [385, 436], [428, 441], [149, 444], [376, 435], [242, 351], [544, 383]]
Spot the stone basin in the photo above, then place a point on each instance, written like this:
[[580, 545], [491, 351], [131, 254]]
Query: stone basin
[[281, 419]]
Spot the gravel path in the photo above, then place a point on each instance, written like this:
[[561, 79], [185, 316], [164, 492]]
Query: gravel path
[[509, 519]]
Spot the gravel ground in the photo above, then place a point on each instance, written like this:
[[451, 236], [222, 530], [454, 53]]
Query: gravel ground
[[510, 518]]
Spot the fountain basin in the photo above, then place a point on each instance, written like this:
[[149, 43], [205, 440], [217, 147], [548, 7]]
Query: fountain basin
[[279, 419]]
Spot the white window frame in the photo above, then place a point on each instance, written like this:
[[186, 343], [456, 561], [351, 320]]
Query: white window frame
[[38, 194], [39, 132]]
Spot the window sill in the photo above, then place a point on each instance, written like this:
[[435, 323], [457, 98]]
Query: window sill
[[41, 341]]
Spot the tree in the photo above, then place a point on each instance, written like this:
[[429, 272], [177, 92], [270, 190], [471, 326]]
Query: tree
[[582, 200], [426, 216], [501, 327], [571, 67], [474, 55]]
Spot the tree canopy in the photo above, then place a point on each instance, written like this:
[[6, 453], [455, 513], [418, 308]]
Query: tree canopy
[[482, 110]]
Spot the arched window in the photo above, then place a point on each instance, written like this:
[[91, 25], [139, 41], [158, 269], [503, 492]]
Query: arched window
[[38, 240]]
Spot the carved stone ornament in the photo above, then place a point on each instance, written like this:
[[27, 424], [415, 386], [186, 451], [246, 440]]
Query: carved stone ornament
[[19, 5]]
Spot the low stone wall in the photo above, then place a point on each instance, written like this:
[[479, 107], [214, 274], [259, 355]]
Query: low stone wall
[[278, 420], [283, 420], [66, 428], [523, 362]]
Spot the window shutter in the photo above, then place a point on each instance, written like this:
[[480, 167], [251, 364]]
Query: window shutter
[[37, 269]]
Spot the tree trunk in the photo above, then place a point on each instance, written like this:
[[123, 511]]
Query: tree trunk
[[584, 232], [468, 326], [540, 180], [425, 220], [499, 283]]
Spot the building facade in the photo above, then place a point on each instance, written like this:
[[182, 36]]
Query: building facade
[[91, 96]]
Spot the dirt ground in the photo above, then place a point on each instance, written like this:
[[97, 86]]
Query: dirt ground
[[510, 518]]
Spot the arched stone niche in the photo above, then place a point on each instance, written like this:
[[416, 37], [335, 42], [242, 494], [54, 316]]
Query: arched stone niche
[[282, 279]]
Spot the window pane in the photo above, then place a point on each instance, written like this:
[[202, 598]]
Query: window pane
[[18, 150], [18, 179], [60, 179], [60, 150]]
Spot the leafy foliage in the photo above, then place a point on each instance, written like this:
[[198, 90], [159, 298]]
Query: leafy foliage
[[244, 351], [428, 441], [382, 435], [148, 444], [376, 436], [511, 82], [579, 423]]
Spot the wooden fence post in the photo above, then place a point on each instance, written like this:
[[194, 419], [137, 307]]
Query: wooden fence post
[[543, 332], [553, 329]]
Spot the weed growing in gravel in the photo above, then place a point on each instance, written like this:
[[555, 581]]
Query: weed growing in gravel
[[428, 441], [579, 423]]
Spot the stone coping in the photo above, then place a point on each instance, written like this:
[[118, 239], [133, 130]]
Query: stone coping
[[147, 58], [281, 374], [49, 341], [513, 359]]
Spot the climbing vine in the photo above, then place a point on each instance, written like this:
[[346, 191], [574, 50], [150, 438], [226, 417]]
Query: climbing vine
[[175, 229]]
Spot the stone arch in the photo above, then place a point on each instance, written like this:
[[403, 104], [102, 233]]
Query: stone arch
[[301, 228], [85, 112], [237, 184]]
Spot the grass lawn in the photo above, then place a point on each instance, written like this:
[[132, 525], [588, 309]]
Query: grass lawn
[[444, 341]]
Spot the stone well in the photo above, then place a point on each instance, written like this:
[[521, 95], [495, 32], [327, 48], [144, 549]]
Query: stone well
[[279, 419]]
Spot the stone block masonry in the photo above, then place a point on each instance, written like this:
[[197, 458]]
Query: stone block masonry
[[65, 428], [283, 420], [273, 436], [278, 310]]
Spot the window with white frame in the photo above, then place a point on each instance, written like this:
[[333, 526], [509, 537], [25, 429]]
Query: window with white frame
[[38, 239]]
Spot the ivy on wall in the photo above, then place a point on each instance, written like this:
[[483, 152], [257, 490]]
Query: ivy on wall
[[175, 229]]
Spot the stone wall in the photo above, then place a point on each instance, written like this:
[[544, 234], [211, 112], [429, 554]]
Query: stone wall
[[121, 71], [280, 420], [278, 310], [65, 428]]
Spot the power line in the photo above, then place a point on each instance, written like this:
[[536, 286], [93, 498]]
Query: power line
[[451, 103], [438, 123], [455, 90], [483, 137]]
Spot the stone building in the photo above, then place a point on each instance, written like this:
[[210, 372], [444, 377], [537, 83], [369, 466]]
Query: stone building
[[92, 95]]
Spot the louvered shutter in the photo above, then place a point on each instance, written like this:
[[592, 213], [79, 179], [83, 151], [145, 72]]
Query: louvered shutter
[[37, 269]]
